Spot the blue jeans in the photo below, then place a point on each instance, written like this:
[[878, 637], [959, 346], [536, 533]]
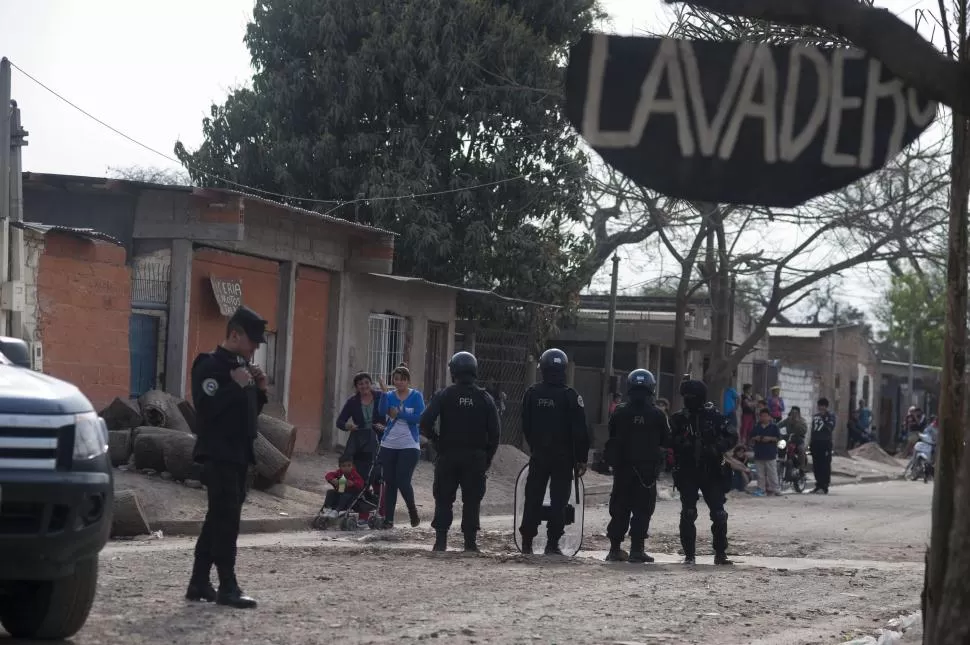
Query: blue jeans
[[398, 466]]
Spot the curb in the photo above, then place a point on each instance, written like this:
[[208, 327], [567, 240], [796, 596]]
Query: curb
[[869, 479], [247, 525]]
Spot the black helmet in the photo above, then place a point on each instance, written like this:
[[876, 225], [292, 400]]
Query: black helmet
[[463, 365], [640, 380], [694, 394], [553, 364]]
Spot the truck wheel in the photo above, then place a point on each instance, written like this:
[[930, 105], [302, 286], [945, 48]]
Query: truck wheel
[[52, 609]]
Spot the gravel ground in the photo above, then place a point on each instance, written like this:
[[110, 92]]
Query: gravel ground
[[388, 587]]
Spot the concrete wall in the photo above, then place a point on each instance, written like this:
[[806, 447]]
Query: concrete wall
[[799, 387], [82, 312], [308, 369], [359, 296]]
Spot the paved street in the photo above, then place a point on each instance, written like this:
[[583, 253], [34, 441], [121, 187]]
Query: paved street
[[811, 570]]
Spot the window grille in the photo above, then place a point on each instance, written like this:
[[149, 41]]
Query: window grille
[[386, 349]]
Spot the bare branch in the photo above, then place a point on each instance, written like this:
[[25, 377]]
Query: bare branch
[[878, 31]]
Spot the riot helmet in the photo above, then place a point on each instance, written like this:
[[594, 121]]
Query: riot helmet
[[552, 365], [694, 394], [640, 386], [463, 366]]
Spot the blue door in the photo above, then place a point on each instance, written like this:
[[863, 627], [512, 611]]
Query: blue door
[[143, 348]]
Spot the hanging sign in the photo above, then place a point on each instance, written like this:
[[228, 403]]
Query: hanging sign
[[228, 294], [739, 123]]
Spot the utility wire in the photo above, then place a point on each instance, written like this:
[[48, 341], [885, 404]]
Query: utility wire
[[259, 191]]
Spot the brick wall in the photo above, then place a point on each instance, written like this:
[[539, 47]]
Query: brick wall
[[260, 284], [82, 311]]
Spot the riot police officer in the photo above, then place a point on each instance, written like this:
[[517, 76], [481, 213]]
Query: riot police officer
[[229, 393], [636, 451], [554, 425], [466, 441], [700, 436]]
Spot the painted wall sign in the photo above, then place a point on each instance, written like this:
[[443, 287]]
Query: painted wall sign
[[737, 122], [228, 294]]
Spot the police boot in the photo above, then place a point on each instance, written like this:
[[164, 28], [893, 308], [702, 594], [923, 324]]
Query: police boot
[[200, 589], [552, 547], [719, 533], [471, 545], [230, 594], [616, 554], [440, 541], [637, 552], [688, 534], [526, 545]]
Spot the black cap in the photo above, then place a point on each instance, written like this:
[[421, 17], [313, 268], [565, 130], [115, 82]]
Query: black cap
[[251, 323]]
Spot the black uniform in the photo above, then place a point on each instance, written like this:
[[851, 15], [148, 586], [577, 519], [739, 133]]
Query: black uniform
[[700, 435], [466, 442], [227, 415], [823, 426], [554, 425], [639, 435]]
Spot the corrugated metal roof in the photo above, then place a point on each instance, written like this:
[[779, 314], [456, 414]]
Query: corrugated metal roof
[[797, 331], [482, 292], [86, 233], [109, 183]]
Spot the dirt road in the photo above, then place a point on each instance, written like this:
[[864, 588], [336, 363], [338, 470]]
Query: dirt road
[[317, 588]]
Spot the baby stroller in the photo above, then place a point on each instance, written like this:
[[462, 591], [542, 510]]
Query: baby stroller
[[369, 502]]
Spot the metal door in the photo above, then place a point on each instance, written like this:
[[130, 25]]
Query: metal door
[[143, 349]]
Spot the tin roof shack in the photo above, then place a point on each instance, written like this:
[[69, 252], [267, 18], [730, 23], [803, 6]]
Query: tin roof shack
[[857, 368], [895, 398], [645, 338], [76, 308]]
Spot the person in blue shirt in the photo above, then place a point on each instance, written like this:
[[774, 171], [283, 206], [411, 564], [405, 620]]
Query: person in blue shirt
[[730, 406], [401, 408], [865, 417], [765, 438]]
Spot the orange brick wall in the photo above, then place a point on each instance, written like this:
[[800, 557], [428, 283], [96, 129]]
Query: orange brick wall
[[260, 285], [84, 304], [308, 371]]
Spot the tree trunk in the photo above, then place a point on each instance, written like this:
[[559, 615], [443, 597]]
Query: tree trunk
[[279, 433], [149, 452], [680, 347], [177, 452], [127, 519], [162, 410], [946, 599], [271, 464], [119, 446], [122, 414]]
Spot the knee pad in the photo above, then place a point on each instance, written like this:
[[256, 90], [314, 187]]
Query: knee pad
[[719, 516], [688, 515]]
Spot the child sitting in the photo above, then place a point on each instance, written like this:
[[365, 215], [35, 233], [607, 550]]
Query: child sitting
[[347, 485]]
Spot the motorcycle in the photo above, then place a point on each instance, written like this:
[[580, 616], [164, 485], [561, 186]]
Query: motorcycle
[[790, 472], [921, 465]]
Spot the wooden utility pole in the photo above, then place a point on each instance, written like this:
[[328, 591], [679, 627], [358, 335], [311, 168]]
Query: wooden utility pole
[[610, 340]]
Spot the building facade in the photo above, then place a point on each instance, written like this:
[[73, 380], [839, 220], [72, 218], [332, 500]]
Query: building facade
[[163, 266]]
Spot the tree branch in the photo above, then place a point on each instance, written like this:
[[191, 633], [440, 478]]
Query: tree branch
[[878, 31]]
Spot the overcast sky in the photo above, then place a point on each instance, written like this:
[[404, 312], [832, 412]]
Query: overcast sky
[[152, 69]]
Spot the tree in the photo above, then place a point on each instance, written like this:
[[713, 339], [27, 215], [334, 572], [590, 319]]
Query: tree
[[915, 307], [453, 103], [151, 175], [946, 598]]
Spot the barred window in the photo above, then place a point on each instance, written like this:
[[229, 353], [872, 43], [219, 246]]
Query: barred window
[[386, 345]]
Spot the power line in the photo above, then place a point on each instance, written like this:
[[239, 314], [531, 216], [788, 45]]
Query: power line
[[259, 191]]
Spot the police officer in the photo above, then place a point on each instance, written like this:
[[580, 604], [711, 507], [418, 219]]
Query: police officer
[[636, 451], [229, 393], [466, 442], [700, 435], [554, 425]]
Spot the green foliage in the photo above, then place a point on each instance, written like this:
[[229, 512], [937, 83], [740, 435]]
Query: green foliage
[[366, 100], [916, 300]]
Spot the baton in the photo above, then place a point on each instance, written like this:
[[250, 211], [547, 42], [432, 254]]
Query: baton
[[576, 482]]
